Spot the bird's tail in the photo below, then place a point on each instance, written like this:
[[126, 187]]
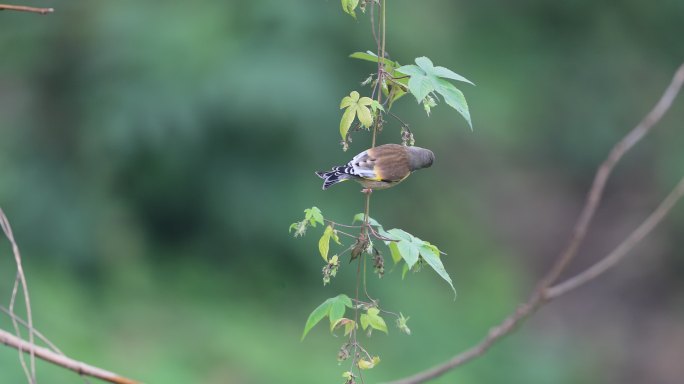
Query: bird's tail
[[337, 175]]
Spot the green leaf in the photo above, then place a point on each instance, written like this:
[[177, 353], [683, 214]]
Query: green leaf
[[425, 78], [396, 92], [425, 64], [355, 107], [317, 315], [365, 101], [410, 249], [347, 120], [337, 310], [375, 321], [430, 254], [449, 74], [404, 271], [370, 56], [455, 99], [313, 215], [324, 242], [394, 252], [420, 86], [361, 216], [335, 237], [363, 112], [375, 106], [411, 70], [326, 309], [407, 246], [349, 6]]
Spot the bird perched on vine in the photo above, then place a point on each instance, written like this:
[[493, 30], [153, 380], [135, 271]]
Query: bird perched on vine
[[380, 167]]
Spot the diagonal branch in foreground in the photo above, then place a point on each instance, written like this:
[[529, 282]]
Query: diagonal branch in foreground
[[63, 361], [22, 8], [53, 356], [543, 293]]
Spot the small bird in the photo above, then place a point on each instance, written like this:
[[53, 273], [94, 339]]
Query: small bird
[[380, 167]]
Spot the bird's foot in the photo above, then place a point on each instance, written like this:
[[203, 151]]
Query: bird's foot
[[367, 191]]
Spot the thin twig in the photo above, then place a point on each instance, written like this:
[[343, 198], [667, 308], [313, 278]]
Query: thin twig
[[21, 8], [7, 228], [346, 234], [542, 293], [39, 335], [343, 225], [403, 123], [35, 331], [62, 361], [17, 331]]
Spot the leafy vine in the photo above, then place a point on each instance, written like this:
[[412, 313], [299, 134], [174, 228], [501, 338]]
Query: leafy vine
[[429, 84]]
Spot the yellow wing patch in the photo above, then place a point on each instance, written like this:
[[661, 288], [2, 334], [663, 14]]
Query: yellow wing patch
[[378, 175]]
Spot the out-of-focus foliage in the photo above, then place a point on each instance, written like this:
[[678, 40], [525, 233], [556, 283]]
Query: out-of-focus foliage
[[152, 156]]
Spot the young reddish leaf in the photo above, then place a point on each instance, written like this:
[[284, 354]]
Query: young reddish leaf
[[365, 364]]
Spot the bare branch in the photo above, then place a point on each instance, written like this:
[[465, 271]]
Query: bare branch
[[601, 177], [63, 361], [542, 293], [21, 8], [621, 251]]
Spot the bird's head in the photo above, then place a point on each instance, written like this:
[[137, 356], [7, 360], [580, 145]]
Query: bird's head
[[420, 158]]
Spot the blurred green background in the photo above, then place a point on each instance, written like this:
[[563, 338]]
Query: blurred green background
[[153, 155]]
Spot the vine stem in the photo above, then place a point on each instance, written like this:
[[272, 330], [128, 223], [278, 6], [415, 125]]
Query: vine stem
[[544, 292], [366, 228]]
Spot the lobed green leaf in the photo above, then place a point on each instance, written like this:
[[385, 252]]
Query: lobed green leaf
[[347, 120], [411, 70], [430, 254], [407, 246], [349, 6], [410, 249], [425, 64], [364, 115], [420, 86], [313, 215], [375, 320], [455, 99], [449, 74], [332, 308], [316, 316]]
